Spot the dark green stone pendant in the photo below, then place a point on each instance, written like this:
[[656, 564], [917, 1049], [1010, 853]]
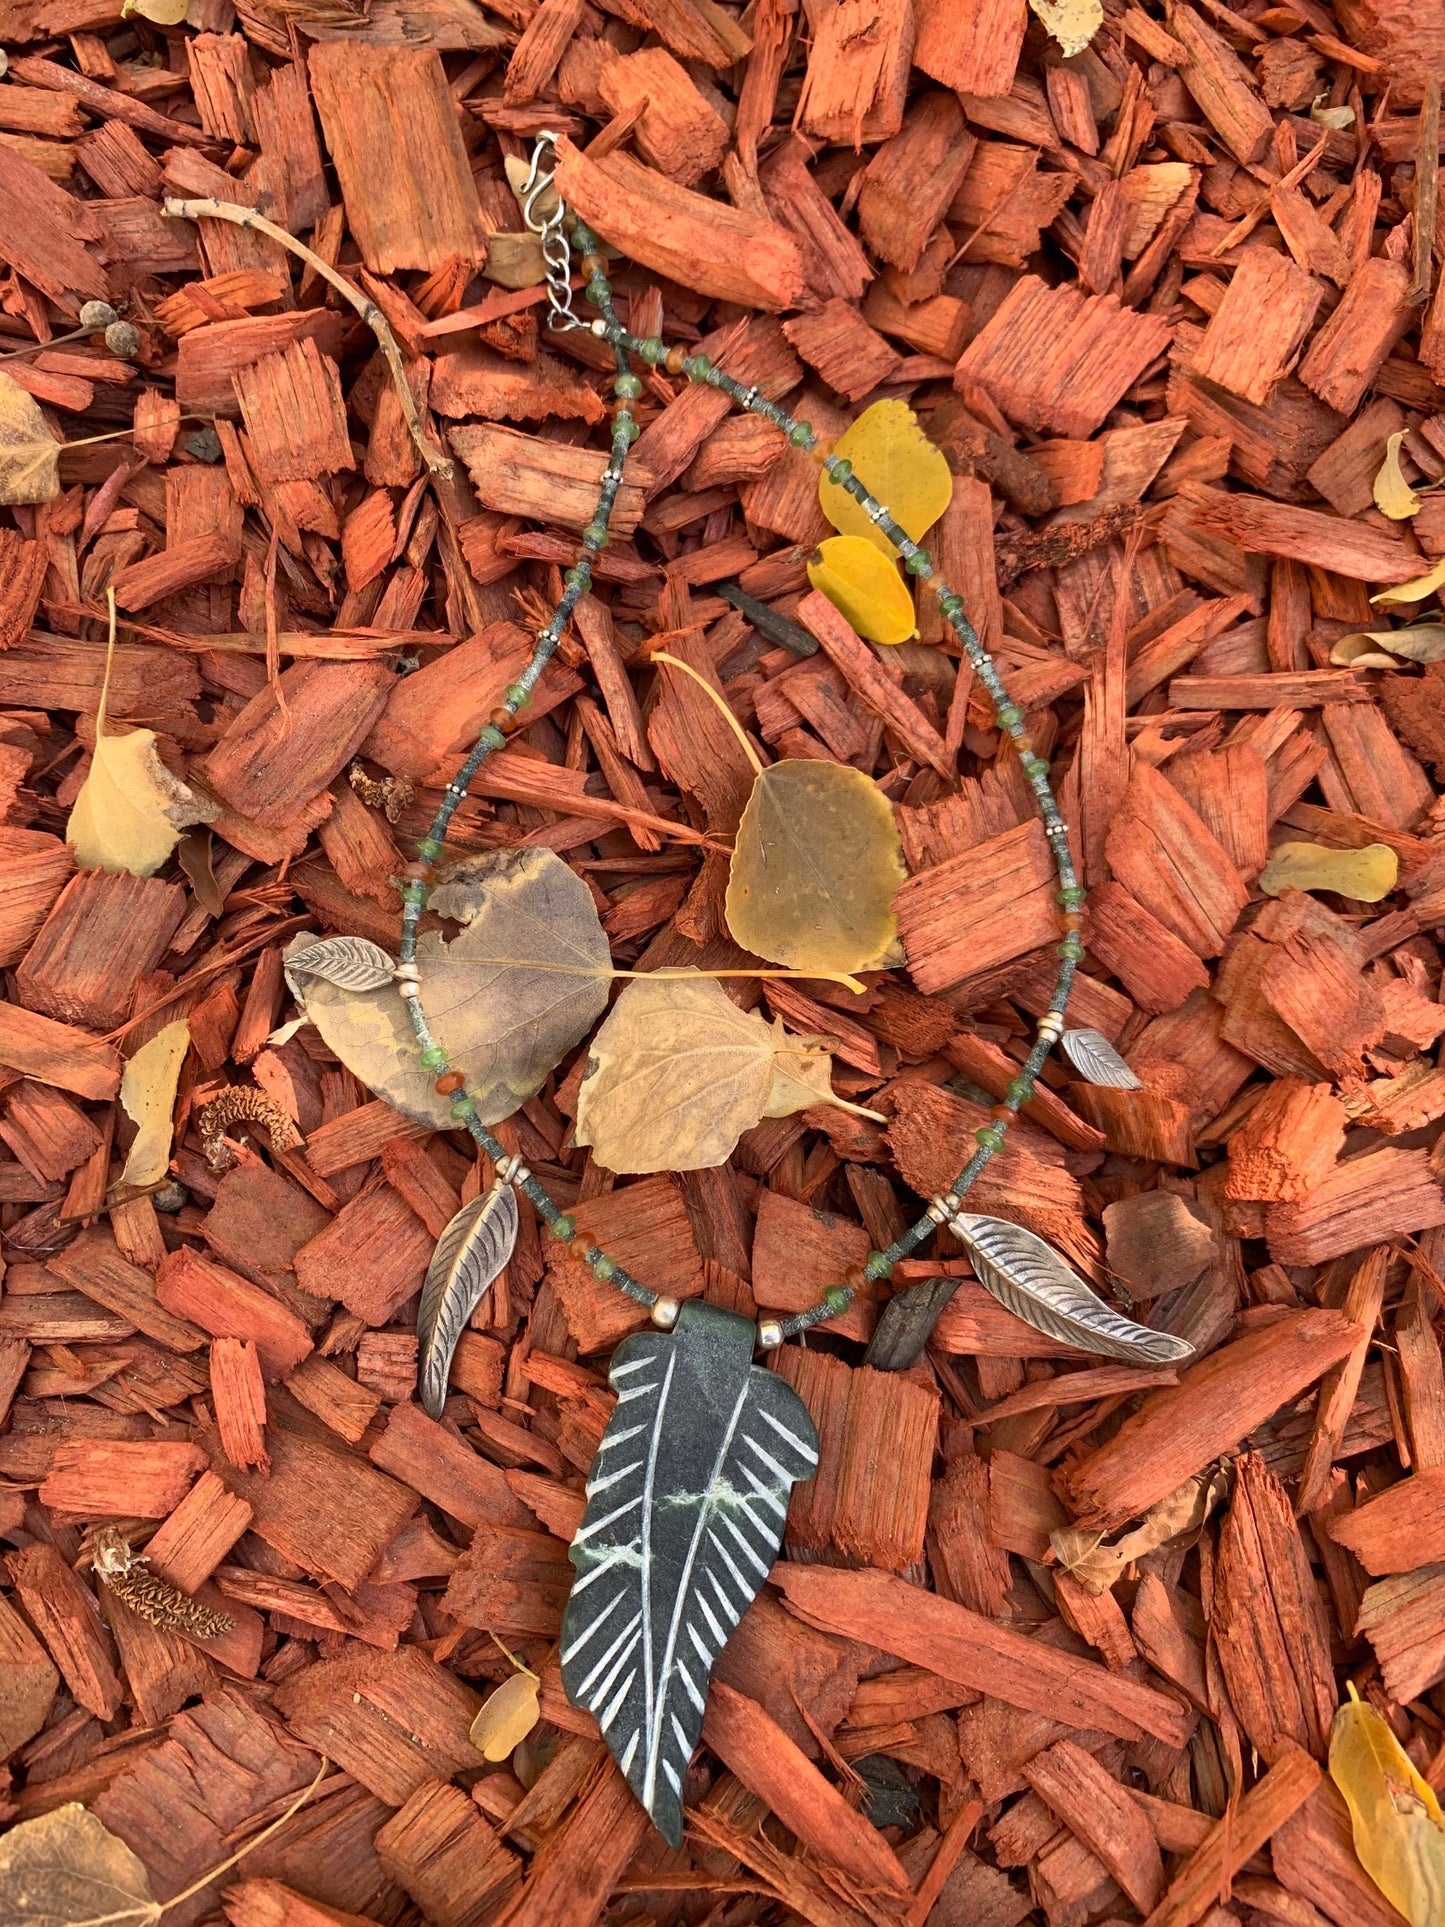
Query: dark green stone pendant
[[685, 1512]]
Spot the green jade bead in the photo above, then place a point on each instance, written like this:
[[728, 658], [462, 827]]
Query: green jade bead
[[837, 1298], [462, 1106], [433, 1058], [603, 1267], [515, 696], [991, 1137], [629, 386], [564, 1228], [801, 435]]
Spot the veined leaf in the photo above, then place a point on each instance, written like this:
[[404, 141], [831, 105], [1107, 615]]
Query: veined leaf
[[685, 1511], [898, 465], [506, 999], [865, 588], [1417, 589], [1096, 1060], [29, 453], [65, 1869], [815, 868], [1398, 1828], [148, 1095], [469, 1255], [1032, 1281], [678, 1073]]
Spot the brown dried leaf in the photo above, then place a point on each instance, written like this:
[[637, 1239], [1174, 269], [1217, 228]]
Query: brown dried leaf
[[1085, 1557], [148, 1094], [29, 453], [65, 1869]]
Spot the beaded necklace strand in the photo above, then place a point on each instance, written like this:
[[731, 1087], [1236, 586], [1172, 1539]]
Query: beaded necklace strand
[[417, 877]]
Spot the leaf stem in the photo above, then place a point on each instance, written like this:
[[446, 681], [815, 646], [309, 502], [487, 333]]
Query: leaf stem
[[241, 1852], [661, 655], [207, 209]]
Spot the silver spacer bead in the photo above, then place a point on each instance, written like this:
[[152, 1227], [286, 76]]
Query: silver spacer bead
[[1056, 829], [599, 328], [512, 1170], [664, 1313], [1051, 1025], [877, 514], [770, 1334], [939, 1209], [408, 988]]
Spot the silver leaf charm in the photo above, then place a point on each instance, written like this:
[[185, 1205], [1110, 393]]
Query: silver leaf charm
[[685, 1513], [351, 963], [469, 1254], [1096, 1060], [1032, 1281]]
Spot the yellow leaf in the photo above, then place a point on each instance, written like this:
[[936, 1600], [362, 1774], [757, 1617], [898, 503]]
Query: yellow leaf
[[130, 811], [163, 13], [815, 868], [66, 1870], [898, 465], [148, 1092], [1416, 589], [1393, 494], [1398, 1828], [1072, 23], [1365, 875], [678, 1073], [29, 453], [507, 1716], [865, 588]]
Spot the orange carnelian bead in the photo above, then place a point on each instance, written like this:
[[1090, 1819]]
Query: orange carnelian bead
[[448, 1082], [418, 872], [1002, 1114], [856, 1278], [675, 358], [581, 1244], [1071, 920], [501, 718]]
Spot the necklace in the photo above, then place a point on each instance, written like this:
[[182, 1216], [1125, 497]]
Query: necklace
[[688, 1495]]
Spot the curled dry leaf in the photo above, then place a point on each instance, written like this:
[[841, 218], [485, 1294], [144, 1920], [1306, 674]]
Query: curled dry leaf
[[1072, 23], [864, 587], [29, 453], [148, 1094], [1398, 1827], [507, 998], [65, 1869], [1393, 494], [815, 868], [898, 465], [1365, 875], [1085, 1557], [1337, 117], [1417, 589], [1420, 642], [678, 1073], [507, 1716]]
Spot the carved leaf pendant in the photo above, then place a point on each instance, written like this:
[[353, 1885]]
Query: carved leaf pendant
[[685, 1513], [1096, 1060], [351, 963], [469, 1254], [1032, 1281]]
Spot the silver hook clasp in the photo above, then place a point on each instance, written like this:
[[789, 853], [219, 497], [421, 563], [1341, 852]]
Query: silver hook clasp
[[544, 213]]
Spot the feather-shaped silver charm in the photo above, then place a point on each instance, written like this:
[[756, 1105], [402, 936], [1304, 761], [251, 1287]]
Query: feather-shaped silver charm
[[1096, 1060], [685, 1513], [469, 1254], [1035, 1284], [351, 963]]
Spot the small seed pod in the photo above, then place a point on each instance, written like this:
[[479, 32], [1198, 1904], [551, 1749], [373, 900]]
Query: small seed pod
[[123, 339], [96, 315]]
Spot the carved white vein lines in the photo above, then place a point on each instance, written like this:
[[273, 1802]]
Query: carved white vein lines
[[685, 1513]]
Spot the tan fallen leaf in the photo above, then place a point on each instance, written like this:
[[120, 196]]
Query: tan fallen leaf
[[162, 13], [65, 1869], [130, 812], [1085, 1557], [1393, 494], [148, 1095], [678, 1073], [507, 1716], [816, 865], [1398, 1828], [29, 453], [1072, 23], [1362, 651], [1417, 589], [1364, 875]]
